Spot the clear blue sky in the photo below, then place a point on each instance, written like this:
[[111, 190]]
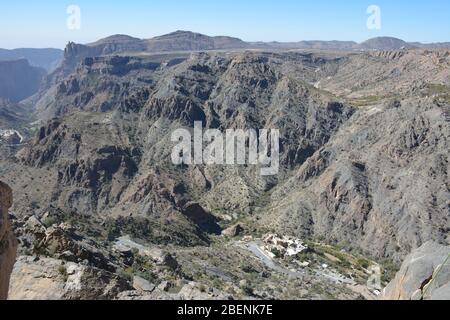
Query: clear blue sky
[[31, 23]]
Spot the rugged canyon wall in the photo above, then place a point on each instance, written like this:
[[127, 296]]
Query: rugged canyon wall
[[8, 243], [19, 80]]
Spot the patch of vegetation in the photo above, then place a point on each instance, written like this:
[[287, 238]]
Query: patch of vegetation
[[50, 221], [366, 101], [141, 229], [137, 228], [347, 264], [442, 92], [388, 270], [363, 263], [317, 289], [62, 270], [141, 267], [264, 199]]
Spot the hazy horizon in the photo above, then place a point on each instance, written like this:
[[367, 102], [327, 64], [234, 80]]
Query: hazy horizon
[[27, 24]]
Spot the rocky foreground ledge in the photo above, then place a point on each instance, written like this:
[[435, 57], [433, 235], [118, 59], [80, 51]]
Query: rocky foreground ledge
[[424, 275], [8, 242]]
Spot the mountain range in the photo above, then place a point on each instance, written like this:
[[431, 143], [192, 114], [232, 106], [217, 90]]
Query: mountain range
[[190, 41], [47, 59], [101, 211]]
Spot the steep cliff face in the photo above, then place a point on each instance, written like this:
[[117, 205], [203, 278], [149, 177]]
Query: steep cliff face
[[425, 275], [380, 184], [8, 243]]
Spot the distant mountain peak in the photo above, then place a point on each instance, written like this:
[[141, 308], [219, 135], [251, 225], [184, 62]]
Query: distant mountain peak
[[385, 43], [114, 39], [181, 34]]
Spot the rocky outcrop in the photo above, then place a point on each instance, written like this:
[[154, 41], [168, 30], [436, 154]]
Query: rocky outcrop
[[196, 213], [425, 275], [8, 244], [190, 292], [51, 279], [233, 231]]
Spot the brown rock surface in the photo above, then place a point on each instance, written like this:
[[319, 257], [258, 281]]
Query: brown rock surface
[[425, 275], [8, 244], [233, 231], [52, 279]]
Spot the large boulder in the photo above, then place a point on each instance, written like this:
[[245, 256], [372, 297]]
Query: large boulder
[[51, 279], [8, 242], [425, 275], [143, 285], [233, 231]]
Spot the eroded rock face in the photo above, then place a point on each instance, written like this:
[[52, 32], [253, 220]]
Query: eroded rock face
[[52, 279], [380, 184], [425, 275], [8, 243]]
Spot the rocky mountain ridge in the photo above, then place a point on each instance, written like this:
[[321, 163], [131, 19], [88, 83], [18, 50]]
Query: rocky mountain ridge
[[187, 41], [190, 41]]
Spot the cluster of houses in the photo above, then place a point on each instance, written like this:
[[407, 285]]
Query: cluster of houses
[[280, 247], [11, 137]]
